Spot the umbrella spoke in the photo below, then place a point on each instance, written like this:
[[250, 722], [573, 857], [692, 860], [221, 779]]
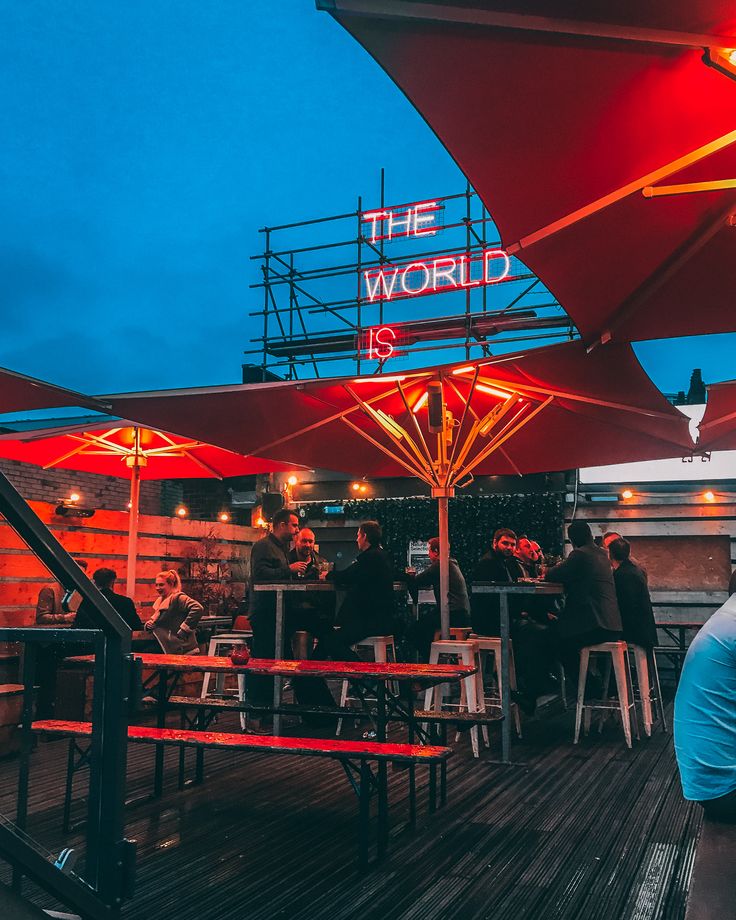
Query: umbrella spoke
[[414, 470]]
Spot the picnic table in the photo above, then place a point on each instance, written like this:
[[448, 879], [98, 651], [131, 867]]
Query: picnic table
[[502, 590], [280, 588]]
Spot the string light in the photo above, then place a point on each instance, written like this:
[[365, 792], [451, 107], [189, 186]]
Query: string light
[[224, 517], [709, 496], [627, 493], [292, 480], [181, 511]]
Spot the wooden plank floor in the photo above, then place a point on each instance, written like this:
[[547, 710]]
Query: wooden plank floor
[[593, 831]]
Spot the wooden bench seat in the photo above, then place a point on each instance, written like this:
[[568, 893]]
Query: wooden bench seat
[[712, 894], [355, 757]]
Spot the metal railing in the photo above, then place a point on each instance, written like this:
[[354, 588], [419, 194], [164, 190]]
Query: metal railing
[[107, 878]]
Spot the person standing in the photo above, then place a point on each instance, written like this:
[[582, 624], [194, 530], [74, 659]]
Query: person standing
[[311, 612], [175, 616], [421, 633]]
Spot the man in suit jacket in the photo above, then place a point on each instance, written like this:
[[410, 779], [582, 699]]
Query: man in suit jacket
[[591, 613], [632, 593], [368, 607]]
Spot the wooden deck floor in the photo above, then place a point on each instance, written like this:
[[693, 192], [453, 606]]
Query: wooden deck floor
[[594, 831]]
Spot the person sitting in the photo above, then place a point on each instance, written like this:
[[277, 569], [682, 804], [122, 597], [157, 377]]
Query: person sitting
[[421, 633], [175, 616], [528, 555], [105, 581], [533, 650], [705, 717], [368, 607], [590, 615], [632, 594], [53, 607]]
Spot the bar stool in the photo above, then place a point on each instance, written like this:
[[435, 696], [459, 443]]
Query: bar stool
[[619, 659], [649, 691], [383, 649], [491, 645], [216, 647], [471, 688]]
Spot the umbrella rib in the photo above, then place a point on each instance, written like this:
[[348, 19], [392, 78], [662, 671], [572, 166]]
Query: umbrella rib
[[716, 421], [415, 471], [510, 430], [577, 397], [325, 421], [72, 453], [414, 454], [205, 466], [662, 275], [420, 434], [624, 191]]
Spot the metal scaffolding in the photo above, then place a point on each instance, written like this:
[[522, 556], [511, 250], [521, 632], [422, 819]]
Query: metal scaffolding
[[330, 286]]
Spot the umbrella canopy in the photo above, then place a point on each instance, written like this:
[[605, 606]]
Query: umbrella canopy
[[116, 447], [718, 425], [551, 409], [21, 394], [587, 130]]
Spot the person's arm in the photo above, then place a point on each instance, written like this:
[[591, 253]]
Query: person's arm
[[46, 614], [348, 577], [192, 611], [566, 570]]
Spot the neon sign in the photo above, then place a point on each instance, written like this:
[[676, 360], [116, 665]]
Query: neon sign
[[379, 343], [436, 276], [416, 220]]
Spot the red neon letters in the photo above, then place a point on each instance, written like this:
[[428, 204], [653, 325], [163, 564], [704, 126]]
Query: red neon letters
[[380, 343], [436, 276], [415, 220]]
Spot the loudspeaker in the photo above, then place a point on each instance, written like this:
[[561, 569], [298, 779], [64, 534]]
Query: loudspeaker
[[271, 502], [434, 406]]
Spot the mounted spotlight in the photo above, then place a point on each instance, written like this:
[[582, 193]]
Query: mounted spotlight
[[68, 507], [722, 59]]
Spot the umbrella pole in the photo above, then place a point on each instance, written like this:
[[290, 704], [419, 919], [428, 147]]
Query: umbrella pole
[[135, 489], [442, 508]]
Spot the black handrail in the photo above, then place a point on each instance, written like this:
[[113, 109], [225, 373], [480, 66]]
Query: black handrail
[[109, 857]]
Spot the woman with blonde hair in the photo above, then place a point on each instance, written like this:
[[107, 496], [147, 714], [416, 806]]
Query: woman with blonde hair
[[175, 616]]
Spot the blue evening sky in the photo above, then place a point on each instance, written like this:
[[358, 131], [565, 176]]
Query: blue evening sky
[[144, 144]]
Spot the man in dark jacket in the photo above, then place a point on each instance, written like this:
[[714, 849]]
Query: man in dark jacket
[[632, 594], [105, 581], [314, 612], [498, 565], [421, 633], [591, 613], [368, 607]]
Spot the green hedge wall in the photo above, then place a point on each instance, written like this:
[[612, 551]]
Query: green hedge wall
[[472, 522]]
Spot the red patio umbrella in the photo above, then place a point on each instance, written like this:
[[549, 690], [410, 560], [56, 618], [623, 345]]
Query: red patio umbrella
[[717, 429], [19, 393], [122, 448], [550, 409], [597, 135]]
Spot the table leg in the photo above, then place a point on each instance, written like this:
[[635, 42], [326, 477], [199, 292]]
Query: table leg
[[382, 770], [158, 773], [505, 679], [412, 767], [279, 653]]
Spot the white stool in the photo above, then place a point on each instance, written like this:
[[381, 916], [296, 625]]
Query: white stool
[[383, 649], [491, 645], [471, 688], [619, 659], [648, 693], [216, 646]]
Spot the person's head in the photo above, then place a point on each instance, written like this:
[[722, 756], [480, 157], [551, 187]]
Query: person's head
[[433, 548], [504, 541], [619, 551], [609, 537], [104, 578], [305, 543], [167, 583], [285, 525], [369, 534], [527, 550], [579, 533]]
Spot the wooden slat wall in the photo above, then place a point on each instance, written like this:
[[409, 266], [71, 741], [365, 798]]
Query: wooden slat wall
[[102, 540]]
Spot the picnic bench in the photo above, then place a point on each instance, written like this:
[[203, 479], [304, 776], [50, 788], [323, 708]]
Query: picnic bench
[[356, 758], [712, 894]]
